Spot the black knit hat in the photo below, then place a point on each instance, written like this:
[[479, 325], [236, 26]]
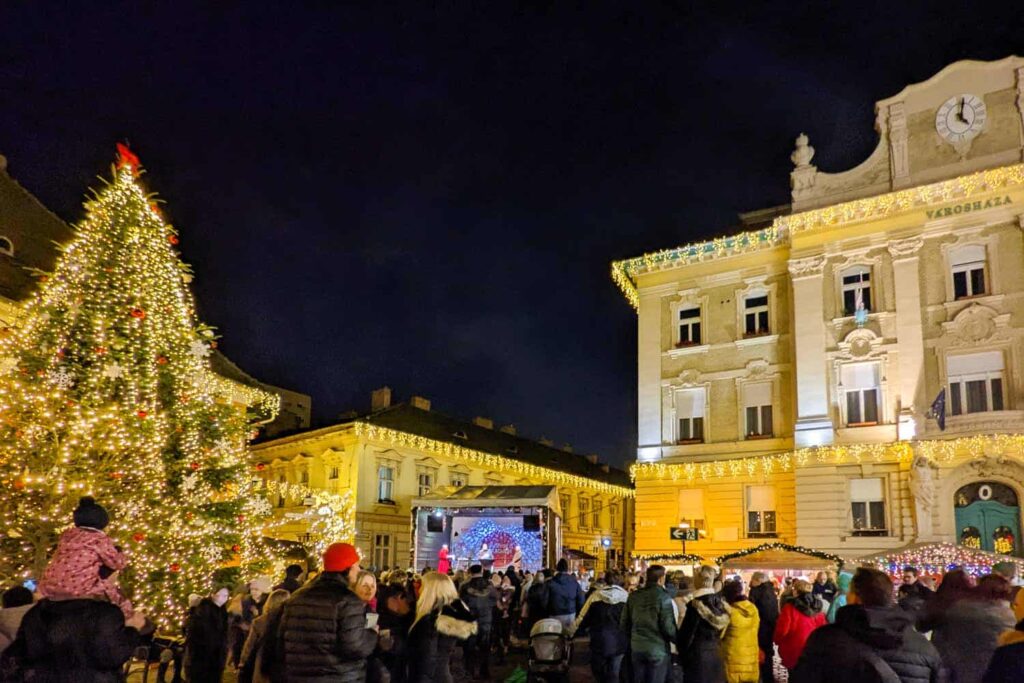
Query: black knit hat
[[91, 514]]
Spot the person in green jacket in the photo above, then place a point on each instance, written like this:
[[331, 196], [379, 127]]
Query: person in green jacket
[[651, 625], [843, 583]]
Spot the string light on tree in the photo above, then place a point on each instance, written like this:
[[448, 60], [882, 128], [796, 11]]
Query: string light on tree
[[90, 410]]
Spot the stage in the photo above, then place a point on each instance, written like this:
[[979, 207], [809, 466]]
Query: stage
[[508, 519]]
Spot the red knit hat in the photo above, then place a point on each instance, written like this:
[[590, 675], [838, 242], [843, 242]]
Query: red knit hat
[[340, 556]]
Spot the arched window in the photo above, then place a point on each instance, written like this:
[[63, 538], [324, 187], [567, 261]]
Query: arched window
[[6, 246], [969, 271], [856, 289]]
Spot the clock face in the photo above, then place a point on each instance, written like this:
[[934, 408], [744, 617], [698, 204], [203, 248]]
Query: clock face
[[961, 118]]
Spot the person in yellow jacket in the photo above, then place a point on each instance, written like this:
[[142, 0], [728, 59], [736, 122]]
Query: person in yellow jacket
[[740, 653]]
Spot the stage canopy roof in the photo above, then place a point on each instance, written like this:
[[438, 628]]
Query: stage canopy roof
[[491, 497], [578, 555]]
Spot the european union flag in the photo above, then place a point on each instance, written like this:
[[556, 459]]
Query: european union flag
[[938, 410]]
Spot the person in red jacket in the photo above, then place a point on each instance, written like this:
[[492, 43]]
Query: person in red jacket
[[801, 614]]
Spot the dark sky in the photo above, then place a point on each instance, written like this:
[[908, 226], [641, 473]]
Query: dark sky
[[429, 196]]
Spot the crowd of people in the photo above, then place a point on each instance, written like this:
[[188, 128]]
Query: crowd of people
[[352, 625]]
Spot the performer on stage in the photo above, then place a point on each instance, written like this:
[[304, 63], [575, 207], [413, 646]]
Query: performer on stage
[[485, 557], [517, 558], [443, 566]]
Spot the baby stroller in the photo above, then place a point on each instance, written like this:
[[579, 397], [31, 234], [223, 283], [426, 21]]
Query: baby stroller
[[550, 653]]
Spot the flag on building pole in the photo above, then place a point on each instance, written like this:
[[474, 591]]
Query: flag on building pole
[[938, 410]]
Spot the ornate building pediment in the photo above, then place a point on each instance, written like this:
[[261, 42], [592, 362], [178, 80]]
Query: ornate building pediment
[[976, 324], [860, 344]]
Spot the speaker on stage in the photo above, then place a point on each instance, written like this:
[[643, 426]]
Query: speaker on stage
[[435, 524], [531, 522]]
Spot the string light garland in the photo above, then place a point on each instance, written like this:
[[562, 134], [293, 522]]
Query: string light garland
[[329, 517], [803, 550], [938, 451], [677, 558], [938, 558], [101, 395], [484, 460], [624, 272]]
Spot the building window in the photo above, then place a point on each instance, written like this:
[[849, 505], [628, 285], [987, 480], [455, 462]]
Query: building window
[[613, 517], [382, 550], [584, 511], [690, 415], [689, 327], [425, 482], [280, 492], [691, 507], [335, 472], [968, 266], [597, 515], [385, 483], [861, 393], [975, 382], [755, 315], [304, 477], [856, 289], [867, 507], [757, 400], [761, 511], [456, 478]]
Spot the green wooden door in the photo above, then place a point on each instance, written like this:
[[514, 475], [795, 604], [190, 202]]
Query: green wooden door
[[987, 520]]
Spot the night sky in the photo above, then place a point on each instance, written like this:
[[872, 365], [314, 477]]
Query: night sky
[[429, 196]]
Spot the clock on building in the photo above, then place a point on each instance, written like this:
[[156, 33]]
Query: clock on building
[[961, 118]]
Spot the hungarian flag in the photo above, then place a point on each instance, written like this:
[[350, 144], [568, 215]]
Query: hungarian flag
[[938, 410]]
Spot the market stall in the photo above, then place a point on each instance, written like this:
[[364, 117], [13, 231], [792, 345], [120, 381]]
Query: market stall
[[779, 560], [935, 559], [671, 561]]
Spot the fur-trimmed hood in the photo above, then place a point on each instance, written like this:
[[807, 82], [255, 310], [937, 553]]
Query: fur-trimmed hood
[[613, 595], [455, 620], [712, 609]]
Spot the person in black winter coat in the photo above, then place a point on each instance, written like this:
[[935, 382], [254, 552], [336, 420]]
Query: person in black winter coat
[[762, 594], [601, 616], [1007, 663], [565, 597], [480, 597], [323, 634], [441, 620], [872, 640], [700, 634], [537, 599], [70, 641], [206, 639]]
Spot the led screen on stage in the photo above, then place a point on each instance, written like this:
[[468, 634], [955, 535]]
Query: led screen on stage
[[501, 534]]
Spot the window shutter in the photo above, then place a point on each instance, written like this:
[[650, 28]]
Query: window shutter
[[690, 403], [759, 394], [862, 490], [691, 504], [974, 363], [761, 498], [968, 255], [859, 376]]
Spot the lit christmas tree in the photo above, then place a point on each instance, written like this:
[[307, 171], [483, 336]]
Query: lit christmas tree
[[106, 390]]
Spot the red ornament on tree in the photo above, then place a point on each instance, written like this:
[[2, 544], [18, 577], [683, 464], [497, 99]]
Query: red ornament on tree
[[173, 239], [161, 360], [126, 158], [138, 313], [241, 518], [236, 548], [138, 537], [19, 484], [194, 466], [100, 351], [175, 567], [260, 466], [142, 414], [117, 475]]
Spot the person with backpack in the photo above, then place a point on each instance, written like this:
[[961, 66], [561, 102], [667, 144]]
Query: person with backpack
[[600, 617]]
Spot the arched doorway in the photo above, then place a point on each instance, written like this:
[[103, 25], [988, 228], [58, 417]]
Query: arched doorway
[[988, 517]]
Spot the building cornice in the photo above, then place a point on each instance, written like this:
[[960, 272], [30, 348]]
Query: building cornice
[[487, 461], [939, 451], [784, 228]]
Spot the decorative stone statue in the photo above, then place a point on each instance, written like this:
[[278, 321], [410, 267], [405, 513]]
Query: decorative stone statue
[[803, 153], [922, 487]]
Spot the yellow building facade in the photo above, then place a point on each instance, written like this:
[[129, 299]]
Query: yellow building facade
[[787, 374], [397, 453]]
